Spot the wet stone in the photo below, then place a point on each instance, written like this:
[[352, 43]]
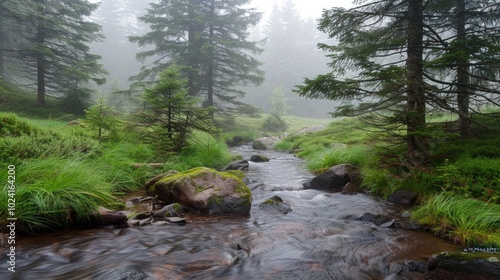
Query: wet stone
[[141, 216], [176, 220], [376, 219], [144, 222]]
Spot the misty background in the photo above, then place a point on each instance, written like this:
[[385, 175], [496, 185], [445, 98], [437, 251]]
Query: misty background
[[287, 32]]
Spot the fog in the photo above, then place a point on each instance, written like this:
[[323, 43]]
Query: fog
[[285, 62]]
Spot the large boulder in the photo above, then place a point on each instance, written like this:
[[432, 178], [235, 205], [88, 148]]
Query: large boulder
[[259, 158], [236, 141], [203, 190], [335, 178], [265, 143], [112, 217], [403, 197]]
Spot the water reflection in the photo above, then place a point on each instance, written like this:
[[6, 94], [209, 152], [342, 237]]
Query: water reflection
[[317, 240]]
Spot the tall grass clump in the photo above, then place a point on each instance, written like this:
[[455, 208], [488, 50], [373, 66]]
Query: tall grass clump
[[378, 181], [202, 150], [118, 162], [359, 155], [56, 193], [463, 220]]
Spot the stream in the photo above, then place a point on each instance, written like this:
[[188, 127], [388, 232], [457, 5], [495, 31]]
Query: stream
[[318, 239]]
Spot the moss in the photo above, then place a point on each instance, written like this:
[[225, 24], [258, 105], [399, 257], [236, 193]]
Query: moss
[[177, 207], [215, 199], [192, 173], [275, 200], [202, 172], [245, 193], [199, 189], [238, 173]]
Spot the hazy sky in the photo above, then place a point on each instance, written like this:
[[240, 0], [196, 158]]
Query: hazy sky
[[307, 8]]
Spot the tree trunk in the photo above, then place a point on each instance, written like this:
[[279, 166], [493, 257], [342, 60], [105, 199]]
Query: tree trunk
[[2, 44], [462, 74], [40, 62], [210, 72], [417, 147]]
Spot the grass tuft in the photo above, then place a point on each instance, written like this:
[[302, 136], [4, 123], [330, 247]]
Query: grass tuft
[[56, 193], [463, 220]]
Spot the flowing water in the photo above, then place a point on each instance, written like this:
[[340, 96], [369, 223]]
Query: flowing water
[[318, 239]]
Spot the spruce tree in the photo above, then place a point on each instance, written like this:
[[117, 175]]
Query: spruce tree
[[52, 49], [381, 42], [208, 38], [463, 64]]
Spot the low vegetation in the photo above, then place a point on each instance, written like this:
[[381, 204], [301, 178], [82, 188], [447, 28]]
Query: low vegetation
[[63, 172], [459, 188]]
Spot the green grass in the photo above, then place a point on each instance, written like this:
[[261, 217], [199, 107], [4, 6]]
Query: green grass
[[23, 103], [56, 193], [358, 155], [459, 189], [202, 150], [463, 220], [63, 174], [293, 123], [24, 139]]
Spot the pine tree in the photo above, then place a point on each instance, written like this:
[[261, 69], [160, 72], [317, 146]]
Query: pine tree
[[208, 38], [409, 58], [52, 48], [171, 114], [381, 41], [463, 65]]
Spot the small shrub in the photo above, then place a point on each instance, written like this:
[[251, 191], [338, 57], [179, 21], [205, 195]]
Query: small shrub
[[274, 124]]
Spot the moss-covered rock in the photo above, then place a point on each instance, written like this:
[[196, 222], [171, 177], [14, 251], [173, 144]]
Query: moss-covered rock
[[459, 265], [275, 203], [204, 190], [259, 158]]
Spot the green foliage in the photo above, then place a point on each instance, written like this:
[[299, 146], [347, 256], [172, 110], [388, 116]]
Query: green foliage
[[56, 193], [13, 99], [210, 40], [117, 163], [100, 120], [279, 106], [202, 150], [463, 220], [471, 177], [377, 181], [274, 124], [52, 39], [24, 140], [356, 155], [171, 114], [338, 133], [76, 101]]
